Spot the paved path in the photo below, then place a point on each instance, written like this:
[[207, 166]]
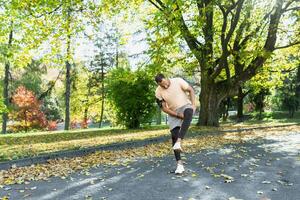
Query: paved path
[[260, 169]]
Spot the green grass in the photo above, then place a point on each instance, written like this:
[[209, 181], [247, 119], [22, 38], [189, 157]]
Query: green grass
[[274, 117], [20, 145]]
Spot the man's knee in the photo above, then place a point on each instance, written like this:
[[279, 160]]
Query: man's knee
[[188, 113], [175, 131]]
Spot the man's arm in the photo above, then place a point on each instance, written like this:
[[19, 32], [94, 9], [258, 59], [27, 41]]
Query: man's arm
[[171, 112], [192, 95], [162, 104], [187, 88]]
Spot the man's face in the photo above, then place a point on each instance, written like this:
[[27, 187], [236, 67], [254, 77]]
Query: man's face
[[165, 83]]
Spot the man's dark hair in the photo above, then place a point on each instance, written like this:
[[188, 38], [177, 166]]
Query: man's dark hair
[[159, 78]]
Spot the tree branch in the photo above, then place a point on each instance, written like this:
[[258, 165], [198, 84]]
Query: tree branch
[[46, 13], [288, 45], [192, 42], [297, 8], [51, 86], [161, 3], [159, 8], [235, 20], [268, 47]]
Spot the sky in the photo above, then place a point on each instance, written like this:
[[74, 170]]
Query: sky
[[135, 43]]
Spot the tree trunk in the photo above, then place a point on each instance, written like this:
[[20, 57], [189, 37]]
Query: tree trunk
[[5, 86], [158, 115], [86, 109], [240, 104], [261, 107], [68, 74], [209, 106], [102, 96], [67, 97], [297, 92]]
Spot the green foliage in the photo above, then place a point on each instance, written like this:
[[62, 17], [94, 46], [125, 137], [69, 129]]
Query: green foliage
[[30, 77], [2, 105], [51, 109], [85, 93], [286, 97], [3, 108], [132, 96]]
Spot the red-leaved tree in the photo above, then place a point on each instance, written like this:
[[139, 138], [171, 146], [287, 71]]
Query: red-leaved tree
[[27, 114]]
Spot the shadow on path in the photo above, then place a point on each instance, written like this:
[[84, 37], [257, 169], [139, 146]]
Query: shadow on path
[[258, 169]]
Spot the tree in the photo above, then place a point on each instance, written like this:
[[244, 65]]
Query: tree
[[20, 34], [86, 97], [28, 114], [104, 58], [30, 76], [132, 96], [287, 95], [216, 31]]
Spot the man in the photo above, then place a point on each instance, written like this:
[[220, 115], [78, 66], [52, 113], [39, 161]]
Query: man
[[171, 96]]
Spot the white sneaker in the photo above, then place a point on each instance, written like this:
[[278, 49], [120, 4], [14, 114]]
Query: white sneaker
[[177, 147], [179, 169]]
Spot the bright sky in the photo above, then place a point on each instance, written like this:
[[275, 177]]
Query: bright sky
[[135, 43]]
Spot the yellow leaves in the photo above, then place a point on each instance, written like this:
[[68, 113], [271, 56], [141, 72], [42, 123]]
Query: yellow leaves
[[64, 167], [52, 142], [4, 198]]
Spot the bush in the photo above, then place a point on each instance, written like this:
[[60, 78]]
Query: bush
[[132, 95], [27, 114], [52, 126]]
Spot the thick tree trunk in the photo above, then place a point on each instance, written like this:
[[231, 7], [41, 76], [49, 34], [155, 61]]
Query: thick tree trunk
[[240, 105], [5, 86], [209, 106]]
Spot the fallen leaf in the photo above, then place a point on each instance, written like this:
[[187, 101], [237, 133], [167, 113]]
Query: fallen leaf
[[233, 198], [266, 182], [260, 192], [207, 187]]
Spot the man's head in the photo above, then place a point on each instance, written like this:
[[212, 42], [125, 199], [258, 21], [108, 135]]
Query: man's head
[[162, 81]]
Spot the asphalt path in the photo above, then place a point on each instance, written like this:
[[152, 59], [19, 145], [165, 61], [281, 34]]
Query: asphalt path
[[260, 169]]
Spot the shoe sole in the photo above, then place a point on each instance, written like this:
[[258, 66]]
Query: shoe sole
[[179, 150]]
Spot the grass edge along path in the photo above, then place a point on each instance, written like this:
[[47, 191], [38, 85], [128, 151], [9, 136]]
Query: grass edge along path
[[63, 167], [27, 145]]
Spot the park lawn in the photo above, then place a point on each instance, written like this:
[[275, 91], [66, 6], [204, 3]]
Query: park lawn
[[21, 145]]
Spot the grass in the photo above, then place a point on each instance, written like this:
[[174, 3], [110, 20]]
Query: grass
[[20, 145], [194, 143], [268, 119]]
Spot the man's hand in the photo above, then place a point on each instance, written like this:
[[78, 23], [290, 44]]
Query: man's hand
[[180, 115], [194, 108]]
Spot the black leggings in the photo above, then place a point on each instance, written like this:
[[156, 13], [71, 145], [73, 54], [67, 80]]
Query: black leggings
[[179, 132]]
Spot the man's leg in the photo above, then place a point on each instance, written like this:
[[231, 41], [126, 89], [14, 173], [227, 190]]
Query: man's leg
[[175, 133], [179, 168], [187, 119]]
